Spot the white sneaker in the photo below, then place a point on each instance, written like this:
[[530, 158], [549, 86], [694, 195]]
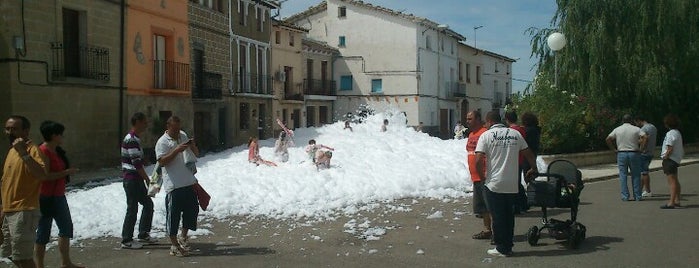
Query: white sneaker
[[495, 252], [183, 241], [646, 194], [131, 245]]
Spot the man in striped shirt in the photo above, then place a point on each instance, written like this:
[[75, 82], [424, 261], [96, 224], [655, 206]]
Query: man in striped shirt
[[134, 186]]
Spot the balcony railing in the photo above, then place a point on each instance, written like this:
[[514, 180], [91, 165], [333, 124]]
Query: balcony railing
[[319, 87], [170, 75], [208, 86], [291, 96], [252, 83], [455, 89], [82, 61]]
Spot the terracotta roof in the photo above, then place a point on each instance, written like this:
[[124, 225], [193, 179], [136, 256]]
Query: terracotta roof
[[318, 46], [489, 53], [288, 25], [323, 6]]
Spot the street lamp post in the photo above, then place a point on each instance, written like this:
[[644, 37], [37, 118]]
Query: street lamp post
[[474, 35], [556, 41]]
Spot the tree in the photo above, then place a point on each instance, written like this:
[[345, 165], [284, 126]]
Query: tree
[[636, 56]]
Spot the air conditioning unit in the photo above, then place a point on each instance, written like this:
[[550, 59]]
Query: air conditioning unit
[[281, 76]]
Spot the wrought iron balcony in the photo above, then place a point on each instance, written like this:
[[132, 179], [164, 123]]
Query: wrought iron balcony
[[79, 60], [455, 90], [319, 87], [252, 83], [170, 75], [207, 85], [291, 96]]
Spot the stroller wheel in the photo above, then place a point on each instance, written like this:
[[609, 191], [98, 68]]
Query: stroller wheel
[[533, 235]]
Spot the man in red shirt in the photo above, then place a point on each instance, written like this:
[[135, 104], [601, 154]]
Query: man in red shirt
[[475, 124]]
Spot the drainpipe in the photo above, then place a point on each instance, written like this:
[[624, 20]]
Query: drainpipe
[[122, 31]]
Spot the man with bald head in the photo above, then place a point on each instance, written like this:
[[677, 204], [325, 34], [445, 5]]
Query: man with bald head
[[625, 141]]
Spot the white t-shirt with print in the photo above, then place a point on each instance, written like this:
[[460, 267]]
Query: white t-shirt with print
[[175, 174], [501, 146]]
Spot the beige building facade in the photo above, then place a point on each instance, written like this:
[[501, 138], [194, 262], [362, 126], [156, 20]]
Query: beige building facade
[[288, 73], [251, 86]]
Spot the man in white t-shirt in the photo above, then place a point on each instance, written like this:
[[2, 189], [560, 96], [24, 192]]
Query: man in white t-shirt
[[627, 138], [502, 146], [178, 181]]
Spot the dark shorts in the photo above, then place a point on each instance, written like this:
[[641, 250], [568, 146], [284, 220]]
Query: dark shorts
[[479, 206], [181, 203], [670, 167], [53, 208], [645, 163]]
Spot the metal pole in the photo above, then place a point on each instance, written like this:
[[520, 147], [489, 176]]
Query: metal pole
[[555, 69]]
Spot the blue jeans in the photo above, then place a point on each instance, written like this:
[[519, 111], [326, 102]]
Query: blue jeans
[[626, 161], [500, 206]]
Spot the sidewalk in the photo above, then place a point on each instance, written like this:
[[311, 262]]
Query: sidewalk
[[610, 171], [589, 173]]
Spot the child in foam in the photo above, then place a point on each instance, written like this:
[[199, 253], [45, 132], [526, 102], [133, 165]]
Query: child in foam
[[319, 153], [254, 153]]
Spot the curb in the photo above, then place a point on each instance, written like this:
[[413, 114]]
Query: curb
[[615, 176]]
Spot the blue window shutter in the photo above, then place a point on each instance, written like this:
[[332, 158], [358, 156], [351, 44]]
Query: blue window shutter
[[346, 82]]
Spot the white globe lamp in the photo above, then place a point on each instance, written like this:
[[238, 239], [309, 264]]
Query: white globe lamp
[[556, 41]]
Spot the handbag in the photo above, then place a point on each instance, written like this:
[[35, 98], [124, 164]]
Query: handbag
[[202, 196]]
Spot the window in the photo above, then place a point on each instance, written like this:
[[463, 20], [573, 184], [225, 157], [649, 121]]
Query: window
[[159, 61], [73, 36], [242, 11], [291, 39], [341, 12], [441, 43], [346, 82], [259, 12], [496, 67], [508, 68], [341, 41], [468, 73], [218, 5], [376, 85], [461, 76], [452, 47], [244, 116], [278, 37], [478, 75], [428, 42]]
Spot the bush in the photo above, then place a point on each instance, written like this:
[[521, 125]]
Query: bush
[[570, 122]]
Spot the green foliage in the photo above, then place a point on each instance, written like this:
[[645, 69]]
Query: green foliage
[[569, 122], [623, 56]]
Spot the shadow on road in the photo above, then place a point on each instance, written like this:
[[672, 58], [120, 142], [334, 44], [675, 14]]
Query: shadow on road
[[210, 249], [589, 245]]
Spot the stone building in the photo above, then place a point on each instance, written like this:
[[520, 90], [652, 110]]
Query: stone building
[[60, 60], [209, 39]]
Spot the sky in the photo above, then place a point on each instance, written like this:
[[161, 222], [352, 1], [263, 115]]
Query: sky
[[368, 169], [504, 23]]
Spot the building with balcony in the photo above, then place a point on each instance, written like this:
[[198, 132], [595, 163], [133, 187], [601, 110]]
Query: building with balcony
[[158, 65], [319, 87], [288, 74], [487, 78], [404, 61], [60, 61], [252, 79], [209, 40]]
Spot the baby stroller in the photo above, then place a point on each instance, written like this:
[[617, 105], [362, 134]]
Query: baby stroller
[[561, 189]]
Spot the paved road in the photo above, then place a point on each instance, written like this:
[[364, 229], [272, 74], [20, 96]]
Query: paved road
[[620, 234]]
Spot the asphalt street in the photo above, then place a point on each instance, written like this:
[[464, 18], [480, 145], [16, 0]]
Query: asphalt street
[[619, 234]]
